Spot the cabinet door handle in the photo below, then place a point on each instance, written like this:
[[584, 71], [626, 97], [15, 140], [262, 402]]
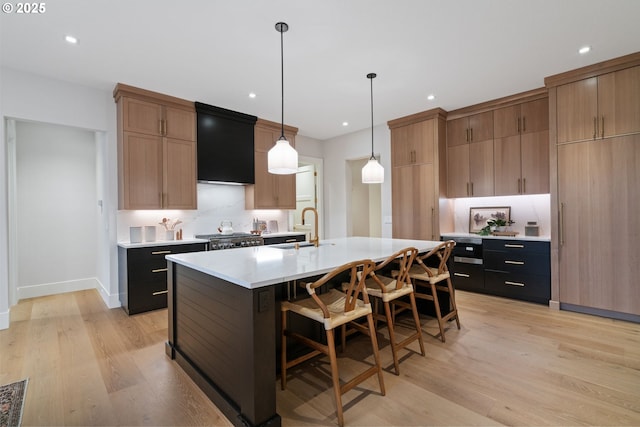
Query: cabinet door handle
[[506, 282], [160, 127], [467, 134], [511, 245], [514, 262], [519, 188], [561, 224], [461, 275], [468, 189], [472, 188], [602, 128], [595, 127], [471, 133], [518, 124], [290, 240], [160, 252], [524, 185], [524, 124], [160, 270], [160, 293]]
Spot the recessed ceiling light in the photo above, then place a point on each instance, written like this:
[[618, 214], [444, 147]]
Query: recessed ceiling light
[[431, 97], [345, 123], [584, 49], [252, 95], [71, 39]]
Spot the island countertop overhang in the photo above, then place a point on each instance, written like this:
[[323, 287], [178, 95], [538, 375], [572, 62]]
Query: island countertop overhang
[[256, 267]]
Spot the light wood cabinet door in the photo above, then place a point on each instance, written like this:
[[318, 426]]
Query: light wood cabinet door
[[534, 116], [481, 127], [270, 191], [619, 102], [180, 124], [458, 171], [179, 174], [534, 161], [413, 202], [141, 183], [141, 116], [481, 175], [507, 162], [457, 132], [413, 143], [507, 121], [597, 192], [577, 110]]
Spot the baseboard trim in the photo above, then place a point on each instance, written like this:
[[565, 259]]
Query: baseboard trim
[[110, 300], [4, 319], [601, 312], [554, 305], [44, 289]]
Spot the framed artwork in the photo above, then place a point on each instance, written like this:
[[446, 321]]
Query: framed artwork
[[478, 217]]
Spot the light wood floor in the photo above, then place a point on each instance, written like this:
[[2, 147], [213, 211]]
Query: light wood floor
[[512, 363]]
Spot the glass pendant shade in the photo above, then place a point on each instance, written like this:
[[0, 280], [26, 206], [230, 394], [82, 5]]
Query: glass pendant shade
[[372, 172], [282, 158]]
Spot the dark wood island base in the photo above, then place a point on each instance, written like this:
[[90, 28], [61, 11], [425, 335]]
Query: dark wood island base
[[223, 336]]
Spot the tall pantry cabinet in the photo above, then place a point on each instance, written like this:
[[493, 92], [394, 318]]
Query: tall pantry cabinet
[[595, 176], [418, 174]]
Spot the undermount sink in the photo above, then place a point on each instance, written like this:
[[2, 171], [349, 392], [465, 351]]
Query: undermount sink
[[294, 245]]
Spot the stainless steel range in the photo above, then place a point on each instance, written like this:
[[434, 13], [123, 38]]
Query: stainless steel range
[[228, 241]]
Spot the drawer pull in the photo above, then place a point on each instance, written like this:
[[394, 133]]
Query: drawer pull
[[160, 270], [160, 252], [511, 245], [506, 282], [290, 240], [160, 293], [514, 262], [461, 275]]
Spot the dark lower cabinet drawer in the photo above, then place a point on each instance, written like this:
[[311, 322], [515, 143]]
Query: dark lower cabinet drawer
[[274, 240], [142, 274], [517, 262], [528, 287], [467, 277]]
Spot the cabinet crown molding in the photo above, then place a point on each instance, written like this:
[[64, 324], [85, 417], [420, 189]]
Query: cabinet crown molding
[[122, 89], [417, 117], [276, 126], [518, 98], [589, 71]]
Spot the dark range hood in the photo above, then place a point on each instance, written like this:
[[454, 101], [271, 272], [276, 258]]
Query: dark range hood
[[225, 145]]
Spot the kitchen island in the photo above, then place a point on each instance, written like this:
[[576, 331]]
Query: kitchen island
[[223, 309]]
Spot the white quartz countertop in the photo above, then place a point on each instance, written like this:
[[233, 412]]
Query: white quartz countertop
[[259, 266], [517, 237], [129, 245]]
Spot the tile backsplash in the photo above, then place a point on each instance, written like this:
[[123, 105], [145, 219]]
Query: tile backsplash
[[535, 207], [216, 203]]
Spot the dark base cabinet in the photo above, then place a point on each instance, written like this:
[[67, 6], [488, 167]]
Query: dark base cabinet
[[518, 269], [467, 277], [143, 275], [274, 240]]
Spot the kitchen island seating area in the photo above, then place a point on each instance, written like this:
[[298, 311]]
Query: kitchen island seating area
[[224, 311], [333, 309]]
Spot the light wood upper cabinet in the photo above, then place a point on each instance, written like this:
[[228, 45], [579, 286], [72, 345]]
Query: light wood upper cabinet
[[521, 148], [470, 155], [599, 107], [270, 191], [417, 174], [156, 150], [413, 144], [469, 129]]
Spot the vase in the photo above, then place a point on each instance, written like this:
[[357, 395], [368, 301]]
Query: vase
[[168, 235]]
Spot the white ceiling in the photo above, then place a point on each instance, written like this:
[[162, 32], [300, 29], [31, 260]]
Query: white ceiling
[[217, 51]]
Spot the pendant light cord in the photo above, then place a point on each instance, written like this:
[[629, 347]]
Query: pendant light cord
[[371, 76], [282, 30]]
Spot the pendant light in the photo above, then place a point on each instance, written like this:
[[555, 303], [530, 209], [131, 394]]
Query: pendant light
[[372, 172], [282, 158]]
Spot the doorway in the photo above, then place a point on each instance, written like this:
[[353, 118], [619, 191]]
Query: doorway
[[308, 194], [364, 204], [53, 217]]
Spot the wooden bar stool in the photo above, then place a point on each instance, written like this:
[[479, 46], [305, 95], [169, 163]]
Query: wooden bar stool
[[332, 309], [428, 277], [389, 290]]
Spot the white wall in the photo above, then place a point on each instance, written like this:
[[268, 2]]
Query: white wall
[[337, 151], [31, 97], [56, 209]]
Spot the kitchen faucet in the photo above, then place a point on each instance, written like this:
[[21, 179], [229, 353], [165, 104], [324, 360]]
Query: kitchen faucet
[[316, 240]]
